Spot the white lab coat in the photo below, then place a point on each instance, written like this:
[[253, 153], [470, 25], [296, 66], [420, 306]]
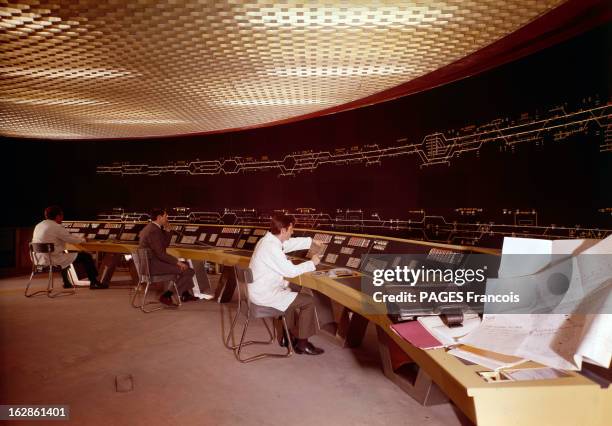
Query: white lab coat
[[270, 265], [49, 231]]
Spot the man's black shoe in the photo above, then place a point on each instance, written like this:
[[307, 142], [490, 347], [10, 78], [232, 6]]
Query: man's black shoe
[[308, 349], [283, 341], [68, 285], [97, 285], [187, 297], [166, 300]]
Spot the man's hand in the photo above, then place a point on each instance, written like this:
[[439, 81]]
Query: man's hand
[[182, 265], [316, 259]]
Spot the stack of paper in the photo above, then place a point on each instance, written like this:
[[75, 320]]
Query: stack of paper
[[563, 339]]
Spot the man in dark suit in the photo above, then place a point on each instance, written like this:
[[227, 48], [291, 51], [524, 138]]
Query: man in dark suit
[[154, 237]]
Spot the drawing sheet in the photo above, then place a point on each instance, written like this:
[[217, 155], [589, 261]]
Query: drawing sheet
[[559, 340]]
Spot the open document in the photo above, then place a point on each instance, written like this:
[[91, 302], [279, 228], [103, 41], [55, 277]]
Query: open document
[[565, 314]]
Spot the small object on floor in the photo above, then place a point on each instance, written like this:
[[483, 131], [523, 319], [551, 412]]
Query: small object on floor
[[307, 349], [187, 297], [166, 299], [124, 383], [97, 285]]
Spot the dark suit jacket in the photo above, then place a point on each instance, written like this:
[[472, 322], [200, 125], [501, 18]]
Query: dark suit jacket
[[154, 238]]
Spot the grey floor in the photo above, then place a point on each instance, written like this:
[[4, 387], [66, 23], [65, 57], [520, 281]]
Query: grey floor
[[69, 350]]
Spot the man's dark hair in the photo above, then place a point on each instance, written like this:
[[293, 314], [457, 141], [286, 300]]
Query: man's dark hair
[[52, 212], [157, 211], [280, 221]]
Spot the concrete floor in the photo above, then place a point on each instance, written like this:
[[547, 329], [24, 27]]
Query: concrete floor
[[69, 350]]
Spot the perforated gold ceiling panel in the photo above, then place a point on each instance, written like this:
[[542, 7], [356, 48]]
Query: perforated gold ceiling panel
[[121, 68]]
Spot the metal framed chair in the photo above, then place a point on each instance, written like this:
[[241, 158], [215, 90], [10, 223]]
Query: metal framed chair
[[249, 310], [40, 252], [142, 259]]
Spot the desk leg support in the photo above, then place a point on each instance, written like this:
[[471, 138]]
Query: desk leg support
[[325, 313], [108, 264], [227, 286], [201, 277], [406, 374], [352, 328]]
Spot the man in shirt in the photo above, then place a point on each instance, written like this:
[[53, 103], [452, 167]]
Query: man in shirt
[[51, 230], [157, 239], [269, 288]]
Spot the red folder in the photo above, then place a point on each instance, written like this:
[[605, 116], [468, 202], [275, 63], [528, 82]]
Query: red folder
[[417, 335]]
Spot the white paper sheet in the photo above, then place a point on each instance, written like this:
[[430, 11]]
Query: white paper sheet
[[515, 265], [534, 374], [558, 340]]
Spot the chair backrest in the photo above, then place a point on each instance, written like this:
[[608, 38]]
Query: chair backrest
[[142, 257], [244, 276], [41, 249]]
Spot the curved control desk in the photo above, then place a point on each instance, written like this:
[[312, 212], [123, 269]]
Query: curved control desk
[[571, 400]]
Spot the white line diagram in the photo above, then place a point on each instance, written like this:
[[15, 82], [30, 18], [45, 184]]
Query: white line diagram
[[434, 149], [469, 226]]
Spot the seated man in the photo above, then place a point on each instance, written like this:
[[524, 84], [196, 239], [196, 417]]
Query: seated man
[[51, 230], [154, 237], [269, 265]]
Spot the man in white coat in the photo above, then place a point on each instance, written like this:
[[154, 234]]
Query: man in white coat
[[51, 230], [270, 265]]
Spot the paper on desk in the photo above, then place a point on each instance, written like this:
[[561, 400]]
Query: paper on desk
[[491, 360], [596, 342], [548, 339], [559, 340], [515, 263], [537, 293], [526, 256], [448, 335], [534, 374], [595, 267]]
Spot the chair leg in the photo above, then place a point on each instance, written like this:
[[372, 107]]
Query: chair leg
[[230, 335], [53, 294], [241, 344], [271, 332], [178, 296], [136, 291], [272, 338], [145, 303], [46, 291], [289, 342]]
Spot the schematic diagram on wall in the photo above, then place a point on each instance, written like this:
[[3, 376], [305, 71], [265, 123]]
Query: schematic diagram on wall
[[592, 117]]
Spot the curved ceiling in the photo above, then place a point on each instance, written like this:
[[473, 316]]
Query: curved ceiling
[[91, 69]]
